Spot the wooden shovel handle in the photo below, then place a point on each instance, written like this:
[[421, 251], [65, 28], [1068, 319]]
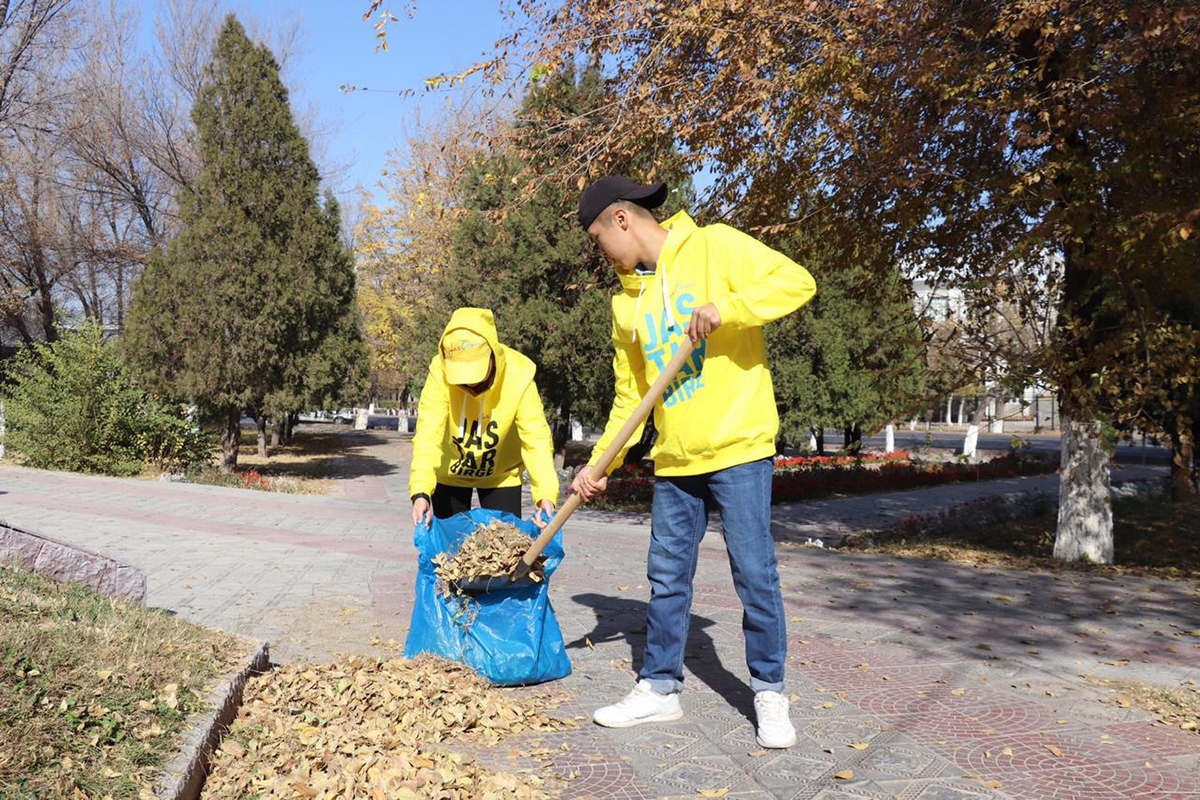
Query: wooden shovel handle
[[600, 468]]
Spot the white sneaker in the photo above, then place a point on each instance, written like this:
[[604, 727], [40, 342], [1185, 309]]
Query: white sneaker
[[774, 726], [641, 705]]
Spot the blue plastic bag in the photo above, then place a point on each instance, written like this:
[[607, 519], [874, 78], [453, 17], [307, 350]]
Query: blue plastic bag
[[514, 637]]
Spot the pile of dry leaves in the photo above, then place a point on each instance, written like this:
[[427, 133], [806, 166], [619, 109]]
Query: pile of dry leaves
[[369, 728], [491, 550]]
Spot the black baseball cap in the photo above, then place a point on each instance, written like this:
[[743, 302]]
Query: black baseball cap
[[606, 191]]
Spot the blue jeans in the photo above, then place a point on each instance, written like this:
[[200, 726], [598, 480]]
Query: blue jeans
[[680, 515]]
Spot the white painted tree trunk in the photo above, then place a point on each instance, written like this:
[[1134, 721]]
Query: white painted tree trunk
[[949, 408], [996, 426], [962, 403], [912, 424], [890, 443], [576, 431], [971, 442], [812, 442], [1085, 526], [361, 418]]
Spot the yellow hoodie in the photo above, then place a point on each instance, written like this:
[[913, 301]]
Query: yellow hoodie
[[721, 410], [483, 442]]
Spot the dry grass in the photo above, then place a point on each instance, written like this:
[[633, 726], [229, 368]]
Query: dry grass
[[1152, 537], [94, 691]]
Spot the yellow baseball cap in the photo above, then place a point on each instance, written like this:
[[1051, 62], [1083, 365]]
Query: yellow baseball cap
[[467, 357]]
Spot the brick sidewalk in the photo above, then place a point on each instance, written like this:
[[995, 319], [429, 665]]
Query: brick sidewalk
[[952, 676]]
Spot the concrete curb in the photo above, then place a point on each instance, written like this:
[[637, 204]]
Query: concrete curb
[[184, 777], [64, 561]]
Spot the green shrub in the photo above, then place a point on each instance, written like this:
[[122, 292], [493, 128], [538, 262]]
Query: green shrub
[[73, 405], [168, 439]]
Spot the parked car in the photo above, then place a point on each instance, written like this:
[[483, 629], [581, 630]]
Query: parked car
[[343, 416]]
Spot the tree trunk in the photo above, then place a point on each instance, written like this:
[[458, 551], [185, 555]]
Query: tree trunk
[[260, 419], [1085, 531], [560, 434], [819, 433], [1183, 452], [277, 430], [847, 436], [290, 430], [981, 410], [231, 435], [855, 443]]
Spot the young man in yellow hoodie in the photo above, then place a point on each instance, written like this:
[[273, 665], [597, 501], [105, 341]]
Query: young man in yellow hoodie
[[479, 424], [716, 425]]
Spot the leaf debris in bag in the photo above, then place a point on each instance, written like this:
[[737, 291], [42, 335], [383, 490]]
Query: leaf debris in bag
[[371, 727], [491, 550]]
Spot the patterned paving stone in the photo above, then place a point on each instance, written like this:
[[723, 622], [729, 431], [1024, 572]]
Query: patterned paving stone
[[893, 646], [890, 760], [790, 769], [713, 772], [939, 789], [1163, 741], [1108, 782], [610, 780]]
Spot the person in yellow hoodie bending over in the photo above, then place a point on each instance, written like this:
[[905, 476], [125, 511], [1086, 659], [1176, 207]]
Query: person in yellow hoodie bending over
[[716, 425], [479, 424]]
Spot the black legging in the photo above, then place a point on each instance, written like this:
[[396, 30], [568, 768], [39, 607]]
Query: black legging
[[451, 500]]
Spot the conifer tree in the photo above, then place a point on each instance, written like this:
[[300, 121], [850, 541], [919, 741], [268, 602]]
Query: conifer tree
[[853, 358], [220, 317], [329, 363]]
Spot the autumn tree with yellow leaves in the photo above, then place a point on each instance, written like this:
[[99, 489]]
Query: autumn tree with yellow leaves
[[1047, 144]]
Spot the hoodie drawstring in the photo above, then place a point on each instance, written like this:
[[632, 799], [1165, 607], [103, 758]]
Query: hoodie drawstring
[[479, 424], [636, 309], [462, 415], [666, 293], [667, 299]]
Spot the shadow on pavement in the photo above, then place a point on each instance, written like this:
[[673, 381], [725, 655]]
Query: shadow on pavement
[[986, 613], [328, 451], [618, 618]]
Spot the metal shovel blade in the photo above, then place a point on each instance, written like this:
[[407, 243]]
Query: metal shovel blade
[[517, 579]]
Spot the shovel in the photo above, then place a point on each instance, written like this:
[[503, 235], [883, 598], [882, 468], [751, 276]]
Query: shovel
[[520, 575]]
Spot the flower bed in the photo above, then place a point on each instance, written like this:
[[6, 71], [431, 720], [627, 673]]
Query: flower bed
[[248, 479], [894, 477], [811, 477]]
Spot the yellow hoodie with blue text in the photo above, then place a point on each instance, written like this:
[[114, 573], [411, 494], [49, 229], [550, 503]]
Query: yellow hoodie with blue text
[[720, 412], [483, 441]]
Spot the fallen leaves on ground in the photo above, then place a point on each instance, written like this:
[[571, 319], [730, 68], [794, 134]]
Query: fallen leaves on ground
[[370, 728], [491, 550], [1152, 537], [1177, 706]]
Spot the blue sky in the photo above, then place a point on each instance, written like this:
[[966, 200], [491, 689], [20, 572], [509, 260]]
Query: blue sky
[[339, 48], [357, 129]]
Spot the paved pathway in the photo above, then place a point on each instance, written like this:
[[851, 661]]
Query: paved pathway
[[956, 678]]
